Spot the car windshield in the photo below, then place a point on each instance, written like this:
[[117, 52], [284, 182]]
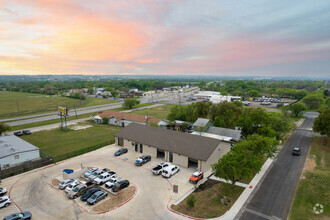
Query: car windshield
[[94, 196], [102, 177], [111, 180], [94, 173], [195, 175], [75, 189], [165, 171]]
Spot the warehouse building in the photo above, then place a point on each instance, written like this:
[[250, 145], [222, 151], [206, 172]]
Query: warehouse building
[[179, 148], [14, 150]]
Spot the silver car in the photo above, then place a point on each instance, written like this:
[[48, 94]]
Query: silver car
[[65, 183], [89, 172], [99, 195]]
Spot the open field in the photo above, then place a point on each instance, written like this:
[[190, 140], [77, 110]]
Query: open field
[[313, 187], [208, 200], [57, 142], [136, 106], [14, 104], [160, 112]]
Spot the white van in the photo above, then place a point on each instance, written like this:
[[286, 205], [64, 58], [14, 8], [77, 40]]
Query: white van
[[170, 171]]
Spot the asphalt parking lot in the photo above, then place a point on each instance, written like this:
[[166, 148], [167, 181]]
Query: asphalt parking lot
[[33, 190]]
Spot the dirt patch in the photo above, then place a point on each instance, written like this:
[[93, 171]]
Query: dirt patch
[[80, 127], [115, 200], [56, 182], [208, 184], [310, 164]]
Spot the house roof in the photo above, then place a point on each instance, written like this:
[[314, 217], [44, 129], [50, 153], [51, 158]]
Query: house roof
[[234, 134], [127, 116], [201, 122], [10, 145], [193, 146]]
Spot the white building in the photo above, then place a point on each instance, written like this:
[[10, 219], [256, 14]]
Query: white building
[[214, 97], [14, 150]]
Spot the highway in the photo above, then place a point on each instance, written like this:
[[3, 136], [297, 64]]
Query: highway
[[274, 194]]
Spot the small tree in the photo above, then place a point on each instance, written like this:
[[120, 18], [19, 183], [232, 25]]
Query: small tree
[[285, 109], [130, 103], [322, 123], [298, 109], [191, 200], [313, 101], [105, 120], [4, 128]]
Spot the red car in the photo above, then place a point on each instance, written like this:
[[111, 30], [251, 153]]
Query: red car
[[195, 177]]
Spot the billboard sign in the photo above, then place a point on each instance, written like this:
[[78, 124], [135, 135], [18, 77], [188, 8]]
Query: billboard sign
[[62, 111]]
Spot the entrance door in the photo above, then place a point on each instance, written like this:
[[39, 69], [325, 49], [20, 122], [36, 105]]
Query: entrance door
[[141, 148], [171, 157], [136, 147]]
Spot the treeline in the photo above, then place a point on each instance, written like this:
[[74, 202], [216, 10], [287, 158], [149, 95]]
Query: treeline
[[230, 115], [282, 89]]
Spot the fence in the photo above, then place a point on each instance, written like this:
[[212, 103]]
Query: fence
[[24, 167], [81, 151]]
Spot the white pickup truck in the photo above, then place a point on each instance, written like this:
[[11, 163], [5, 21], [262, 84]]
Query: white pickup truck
[[159, 168], [104, 177]]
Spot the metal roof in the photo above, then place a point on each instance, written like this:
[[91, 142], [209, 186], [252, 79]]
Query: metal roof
[[192, 146], [226, 132], [201, 122], [10, 145]]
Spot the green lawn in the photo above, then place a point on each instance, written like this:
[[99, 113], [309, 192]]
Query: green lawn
[[315, 186], [160, 112], [15, 104], [135, 107], [56, 142], [208, 200]]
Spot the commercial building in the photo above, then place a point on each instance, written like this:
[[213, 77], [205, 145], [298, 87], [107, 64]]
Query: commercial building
[[14, 150], [179, 148]]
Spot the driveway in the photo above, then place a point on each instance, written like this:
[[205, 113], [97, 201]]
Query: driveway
[[32, 191]]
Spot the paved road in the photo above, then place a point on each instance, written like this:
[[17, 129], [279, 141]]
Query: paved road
[[275, 194]]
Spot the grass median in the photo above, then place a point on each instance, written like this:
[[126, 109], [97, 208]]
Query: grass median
[[314, 187], [160, 112]]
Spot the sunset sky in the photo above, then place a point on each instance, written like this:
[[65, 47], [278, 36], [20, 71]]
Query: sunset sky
[[165, 37]]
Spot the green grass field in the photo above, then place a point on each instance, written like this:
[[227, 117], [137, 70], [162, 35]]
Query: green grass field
[[57, 142], [160, 112], [15, 104], [315, 186], [208, 200]]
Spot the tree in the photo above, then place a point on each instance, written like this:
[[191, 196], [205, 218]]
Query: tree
[[313, 101], [130, 103], [251, 119], [237, 164], [285, 109], [238, 103], [191, 200], [105, 120], [90, 90], [322, 123], [4, 128], [253, 93], [298, 108]]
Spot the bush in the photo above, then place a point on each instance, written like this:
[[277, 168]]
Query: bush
[[105, 120], [191, 201]]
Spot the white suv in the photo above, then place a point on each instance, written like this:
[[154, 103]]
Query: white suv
[[170, 171], [112, 182], [4, 201]]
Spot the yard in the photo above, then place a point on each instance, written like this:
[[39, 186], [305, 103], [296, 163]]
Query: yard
[[58, 142], [208, 200], [160, 112], [314, 186], [14, 104]]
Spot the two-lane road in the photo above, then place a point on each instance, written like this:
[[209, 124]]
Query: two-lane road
[[275, 193]]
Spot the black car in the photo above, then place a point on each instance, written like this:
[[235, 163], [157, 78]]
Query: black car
[[296, 151], [120, 152], [18, 216], [120, 185], [89, 193], [142, 160], [99, 195], [18, 133], [26, 132]]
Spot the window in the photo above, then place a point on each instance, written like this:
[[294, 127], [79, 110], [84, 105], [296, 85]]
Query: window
[[16, 156]]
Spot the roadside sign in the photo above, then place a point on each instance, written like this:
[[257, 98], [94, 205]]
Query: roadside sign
[[175, 188]]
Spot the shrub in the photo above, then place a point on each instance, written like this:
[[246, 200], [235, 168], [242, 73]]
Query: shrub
[[191, 201]]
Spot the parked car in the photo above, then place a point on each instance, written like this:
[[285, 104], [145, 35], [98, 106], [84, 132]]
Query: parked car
[[112, 182], [142, 160], [89, 193], [89, 172], [159, 168], [104, 177], [120, 152], [19, 216], [79, 190], [99, 195], [26, 132], [96, 173], [4, 201], [18, 133], [65, 183], [73, 185], [3, 191], [120, 185], [170, 171], [296, 151], [196, 176]]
